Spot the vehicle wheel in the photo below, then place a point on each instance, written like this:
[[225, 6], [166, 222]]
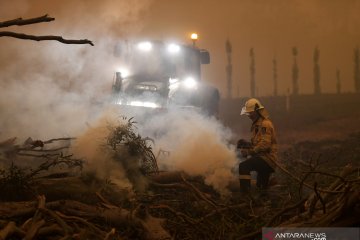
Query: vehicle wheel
[[211, 98]]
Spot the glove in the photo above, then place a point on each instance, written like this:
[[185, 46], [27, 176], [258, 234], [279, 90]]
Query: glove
[[244, 152], [242, 143]]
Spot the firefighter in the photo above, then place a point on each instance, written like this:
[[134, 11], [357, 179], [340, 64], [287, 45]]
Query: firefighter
[[261, 152]]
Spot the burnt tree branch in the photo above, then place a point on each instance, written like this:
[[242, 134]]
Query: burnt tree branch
[[21, 22], [44, 38], [44, 18]]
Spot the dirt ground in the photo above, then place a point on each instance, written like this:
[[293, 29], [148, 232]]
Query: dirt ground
[[86, 207], [336, 129]]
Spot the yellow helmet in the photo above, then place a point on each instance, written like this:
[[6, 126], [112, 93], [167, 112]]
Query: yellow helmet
[[251, 105]]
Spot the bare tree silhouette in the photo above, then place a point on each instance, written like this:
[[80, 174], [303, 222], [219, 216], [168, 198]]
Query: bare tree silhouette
[[252, 73], [275, 77], [228, 49], [45, 18], [317, 88], [357, 69], [295, 73], [338, 82]]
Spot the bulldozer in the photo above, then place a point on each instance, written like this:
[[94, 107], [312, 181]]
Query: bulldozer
[[163, 75]]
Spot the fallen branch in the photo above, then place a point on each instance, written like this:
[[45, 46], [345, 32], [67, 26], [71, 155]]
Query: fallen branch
[[282, 168], [296, 205], [110, 234], [53, 229], [34, 228], [182, 216], [199, 193], [220, 210], [82, 221], [320, 198], [58, 139], [10, 229], [58, 219]]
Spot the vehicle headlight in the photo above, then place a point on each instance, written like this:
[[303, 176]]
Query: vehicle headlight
[[145, 46], [190, 83], [173, 48], [144, 104]]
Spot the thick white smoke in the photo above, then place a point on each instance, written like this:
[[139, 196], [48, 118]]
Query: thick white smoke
[[91, 145], [197, 144], [51, 90], [185, 140]]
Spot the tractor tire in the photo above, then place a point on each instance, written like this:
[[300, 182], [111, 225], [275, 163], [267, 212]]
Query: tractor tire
[[210, 101]]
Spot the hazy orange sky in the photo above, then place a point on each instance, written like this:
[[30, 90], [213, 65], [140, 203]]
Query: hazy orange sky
[[271, 27]]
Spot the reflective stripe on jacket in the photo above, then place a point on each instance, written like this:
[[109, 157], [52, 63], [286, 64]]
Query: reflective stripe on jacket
[[264, 140]]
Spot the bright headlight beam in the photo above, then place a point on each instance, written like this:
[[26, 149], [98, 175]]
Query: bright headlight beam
[[173, 48], [150, 105], [190, 83], [144, 104], [145, 46]]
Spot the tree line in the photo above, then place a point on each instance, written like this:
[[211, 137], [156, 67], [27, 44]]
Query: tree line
[[294, 72]]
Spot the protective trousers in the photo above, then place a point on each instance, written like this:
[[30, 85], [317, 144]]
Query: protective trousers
[[254, 164]]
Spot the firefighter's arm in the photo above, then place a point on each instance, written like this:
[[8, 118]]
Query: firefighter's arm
[[244, 147], [265, 135]]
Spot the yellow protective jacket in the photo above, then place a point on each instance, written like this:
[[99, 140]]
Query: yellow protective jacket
[[264, 140]]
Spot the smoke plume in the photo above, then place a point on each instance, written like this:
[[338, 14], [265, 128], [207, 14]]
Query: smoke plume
[[51, 90], [184, 140], [197, 144], [92, 147]]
